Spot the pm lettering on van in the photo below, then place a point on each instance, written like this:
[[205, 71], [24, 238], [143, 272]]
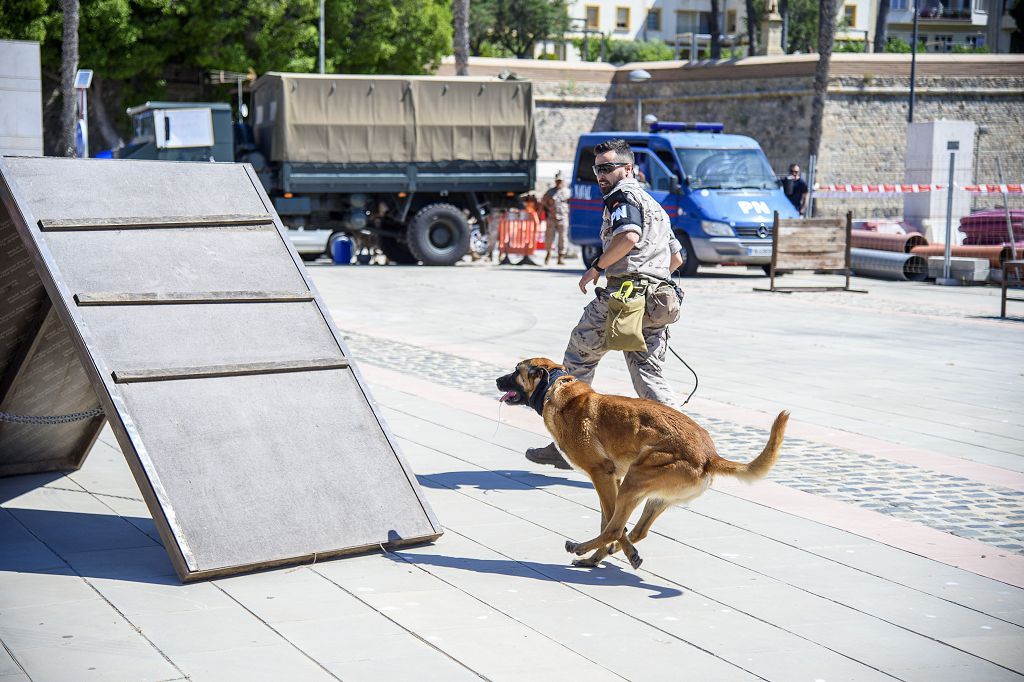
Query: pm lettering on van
[[755, 206]]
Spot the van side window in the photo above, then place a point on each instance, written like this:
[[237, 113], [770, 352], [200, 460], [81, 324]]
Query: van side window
[[584, 168]]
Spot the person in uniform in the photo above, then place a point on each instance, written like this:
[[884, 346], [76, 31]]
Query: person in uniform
[[639, 247], [556, 206]]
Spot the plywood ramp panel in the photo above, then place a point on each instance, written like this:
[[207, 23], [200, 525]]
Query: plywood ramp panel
[[191, 321]]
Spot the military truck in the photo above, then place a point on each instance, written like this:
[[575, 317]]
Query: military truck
[[411, 160]]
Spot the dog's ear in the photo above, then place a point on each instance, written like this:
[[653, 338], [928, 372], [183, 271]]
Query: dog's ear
[[536, 372]]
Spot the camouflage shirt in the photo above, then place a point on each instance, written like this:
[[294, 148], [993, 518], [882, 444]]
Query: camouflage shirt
[[651, 255]]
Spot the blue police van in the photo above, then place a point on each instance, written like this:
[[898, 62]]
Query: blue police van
[[718, 190]]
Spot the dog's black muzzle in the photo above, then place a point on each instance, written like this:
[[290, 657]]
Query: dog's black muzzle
[[514, 394]]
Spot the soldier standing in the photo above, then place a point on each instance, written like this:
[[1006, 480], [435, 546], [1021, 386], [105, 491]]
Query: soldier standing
[[639, 247], [556, 205]]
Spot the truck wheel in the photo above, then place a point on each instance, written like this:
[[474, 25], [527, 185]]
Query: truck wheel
[[689, 266], [396, 251], [438, 235], [591, 252]]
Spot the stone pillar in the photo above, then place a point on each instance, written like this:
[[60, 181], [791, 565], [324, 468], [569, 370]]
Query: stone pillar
[[927, 162], [771, 31]]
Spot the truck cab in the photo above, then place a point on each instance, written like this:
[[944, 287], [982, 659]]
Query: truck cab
[[180, 131], [718, 190]]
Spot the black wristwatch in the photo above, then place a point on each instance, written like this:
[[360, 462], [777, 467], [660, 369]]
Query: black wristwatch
[[597, 267]]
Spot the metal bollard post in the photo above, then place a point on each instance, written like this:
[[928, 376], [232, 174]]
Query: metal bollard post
[[946, 280]]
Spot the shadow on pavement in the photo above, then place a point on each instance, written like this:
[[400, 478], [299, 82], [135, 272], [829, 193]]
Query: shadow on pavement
[[496, 480], [92, 545], [607, 574]]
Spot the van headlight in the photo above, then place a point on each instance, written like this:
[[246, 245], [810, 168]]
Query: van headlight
[[716, 229]]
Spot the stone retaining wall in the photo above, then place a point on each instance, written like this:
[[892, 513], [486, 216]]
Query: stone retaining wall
[[769, 99]]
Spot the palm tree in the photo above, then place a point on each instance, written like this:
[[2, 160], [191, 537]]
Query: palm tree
[[881, 26], [460, 17], [784, 11], [68, 69], [752, 19], [826, 36], [716, 45]]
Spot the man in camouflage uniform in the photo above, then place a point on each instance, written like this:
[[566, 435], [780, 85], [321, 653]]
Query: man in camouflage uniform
[[556, 205], [639, 247]]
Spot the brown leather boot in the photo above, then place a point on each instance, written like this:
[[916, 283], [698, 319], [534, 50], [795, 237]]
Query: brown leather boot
[[548, 454], [561, 260]]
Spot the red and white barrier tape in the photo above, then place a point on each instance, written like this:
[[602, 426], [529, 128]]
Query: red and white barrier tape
[[840, 190]]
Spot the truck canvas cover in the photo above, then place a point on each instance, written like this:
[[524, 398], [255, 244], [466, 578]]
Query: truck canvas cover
[[306, 118], [167, 295]]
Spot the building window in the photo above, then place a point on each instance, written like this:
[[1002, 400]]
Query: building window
[[730, 21], [899, 5], [654, 19], [621, 18], [850, 15], [981, 6], [593, 16], [693, 22], [943, 43]]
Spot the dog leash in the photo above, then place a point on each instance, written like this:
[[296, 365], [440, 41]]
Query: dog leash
[[696, 381]]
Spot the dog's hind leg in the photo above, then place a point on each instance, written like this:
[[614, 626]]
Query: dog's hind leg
[[652, 510], [628, 499]]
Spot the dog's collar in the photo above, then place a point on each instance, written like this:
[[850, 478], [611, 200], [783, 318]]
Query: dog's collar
[[540, 394]]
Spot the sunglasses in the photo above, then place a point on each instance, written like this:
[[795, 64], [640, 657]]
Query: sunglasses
[[606, 168]]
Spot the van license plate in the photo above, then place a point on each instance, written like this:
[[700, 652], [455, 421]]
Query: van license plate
[[759, 251]]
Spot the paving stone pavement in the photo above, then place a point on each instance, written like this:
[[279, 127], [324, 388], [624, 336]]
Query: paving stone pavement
[[951, 504]]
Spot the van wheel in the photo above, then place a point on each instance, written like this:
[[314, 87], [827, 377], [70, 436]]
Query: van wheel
[[591, 253], [438, 235], [689, 266], [396, 251]]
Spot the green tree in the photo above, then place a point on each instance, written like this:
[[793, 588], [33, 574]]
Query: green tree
[[137, 47], [388, 36], [517, 25]]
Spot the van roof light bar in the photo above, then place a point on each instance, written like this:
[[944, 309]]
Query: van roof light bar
[[697, 127]]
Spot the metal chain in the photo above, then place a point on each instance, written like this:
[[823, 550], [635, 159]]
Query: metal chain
[[51, 419]]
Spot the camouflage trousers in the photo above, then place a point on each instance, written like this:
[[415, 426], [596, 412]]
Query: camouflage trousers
[[556, 229], [586, 348]]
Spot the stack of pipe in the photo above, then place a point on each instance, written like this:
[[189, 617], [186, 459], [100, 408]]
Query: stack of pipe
[[994, 254], [888, 256]]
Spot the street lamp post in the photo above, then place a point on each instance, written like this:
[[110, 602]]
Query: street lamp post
[[913, 65], [639, 76]]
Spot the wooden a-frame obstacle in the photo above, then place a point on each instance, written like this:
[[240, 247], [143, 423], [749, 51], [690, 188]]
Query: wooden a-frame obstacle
[[168, 296]]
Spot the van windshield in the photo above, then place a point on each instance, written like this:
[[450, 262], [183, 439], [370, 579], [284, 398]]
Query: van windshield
[[727, 169]]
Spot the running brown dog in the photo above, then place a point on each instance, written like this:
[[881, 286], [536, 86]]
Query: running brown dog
[[632, 450]]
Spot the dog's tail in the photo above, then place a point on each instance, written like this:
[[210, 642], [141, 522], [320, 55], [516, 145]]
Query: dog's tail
[[762, 464]]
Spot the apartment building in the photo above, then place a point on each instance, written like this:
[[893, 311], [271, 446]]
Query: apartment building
[[671, 21], [942, 24]]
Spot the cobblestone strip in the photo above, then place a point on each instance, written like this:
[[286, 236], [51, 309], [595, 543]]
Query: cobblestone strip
[[951, 504]]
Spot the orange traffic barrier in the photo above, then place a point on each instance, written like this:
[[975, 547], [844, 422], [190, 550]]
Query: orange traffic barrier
[[517, 235]]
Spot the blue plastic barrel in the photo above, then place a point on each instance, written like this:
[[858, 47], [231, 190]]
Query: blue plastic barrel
[[342, 251]]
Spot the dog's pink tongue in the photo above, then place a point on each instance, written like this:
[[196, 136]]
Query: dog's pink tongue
[[508, 396]]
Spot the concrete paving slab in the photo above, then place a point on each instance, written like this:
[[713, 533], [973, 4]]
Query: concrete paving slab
[[766, 581], [80, 639]]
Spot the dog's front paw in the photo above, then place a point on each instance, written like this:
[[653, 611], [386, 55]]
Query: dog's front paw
[[635, 560], [589, 562], [571, 547]]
